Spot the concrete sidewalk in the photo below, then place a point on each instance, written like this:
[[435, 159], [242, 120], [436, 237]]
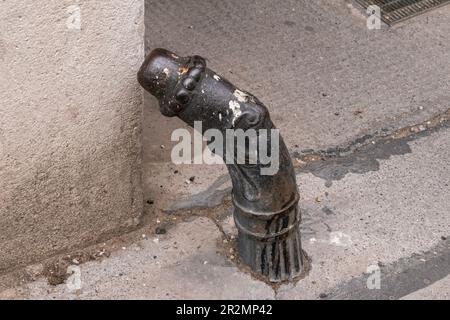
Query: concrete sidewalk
[[384, 207]]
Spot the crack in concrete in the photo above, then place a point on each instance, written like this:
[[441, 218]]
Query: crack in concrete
[[361, 161], [210, 198], [334, 165], [432, 124], [228, 247]]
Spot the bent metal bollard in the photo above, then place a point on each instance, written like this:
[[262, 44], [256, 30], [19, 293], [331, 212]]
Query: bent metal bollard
[[265, 206]]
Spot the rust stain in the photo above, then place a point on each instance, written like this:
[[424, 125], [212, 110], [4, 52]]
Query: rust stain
[[183, 70]]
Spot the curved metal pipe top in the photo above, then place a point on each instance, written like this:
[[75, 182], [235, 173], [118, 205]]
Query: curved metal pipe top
[[266, 212]]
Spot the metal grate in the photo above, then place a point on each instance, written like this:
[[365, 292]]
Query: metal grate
[[393, 11]]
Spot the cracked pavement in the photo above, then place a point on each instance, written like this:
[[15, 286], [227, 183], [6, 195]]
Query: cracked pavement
[[365, 116]]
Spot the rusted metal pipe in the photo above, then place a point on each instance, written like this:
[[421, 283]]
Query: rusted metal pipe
[[266, 206]]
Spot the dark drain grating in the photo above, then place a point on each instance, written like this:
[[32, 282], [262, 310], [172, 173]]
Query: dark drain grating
[[393, 11]]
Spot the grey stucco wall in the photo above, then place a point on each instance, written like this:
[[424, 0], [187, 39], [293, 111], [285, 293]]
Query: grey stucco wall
[[70, 125]]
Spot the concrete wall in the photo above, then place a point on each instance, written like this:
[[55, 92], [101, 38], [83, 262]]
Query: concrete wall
[[70, 113]]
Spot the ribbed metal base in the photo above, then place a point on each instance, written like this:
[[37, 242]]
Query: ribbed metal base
[[270, 244], [279, 260]]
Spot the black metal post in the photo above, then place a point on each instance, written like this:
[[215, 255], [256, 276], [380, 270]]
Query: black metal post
[[266, 206]]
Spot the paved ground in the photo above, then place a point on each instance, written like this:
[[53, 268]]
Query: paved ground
[[384, 206], [372, 109]]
